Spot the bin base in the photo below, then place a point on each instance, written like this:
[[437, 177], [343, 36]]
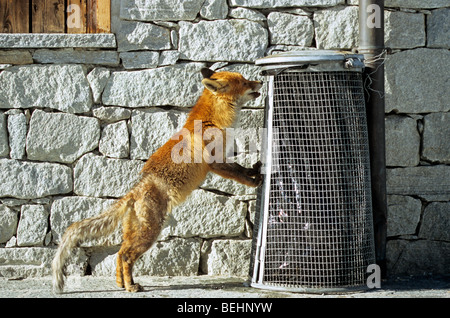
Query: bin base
[[309, 290]]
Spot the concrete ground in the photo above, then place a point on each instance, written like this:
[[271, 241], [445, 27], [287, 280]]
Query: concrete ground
[[209, 287]]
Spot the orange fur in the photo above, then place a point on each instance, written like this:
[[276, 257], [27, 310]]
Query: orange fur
[[164, 183]]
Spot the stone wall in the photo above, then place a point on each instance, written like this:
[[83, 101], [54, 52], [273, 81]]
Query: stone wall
[[79, 114]]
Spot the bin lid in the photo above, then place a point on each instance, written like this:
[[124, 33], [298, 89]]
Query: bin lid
[[315, 57]]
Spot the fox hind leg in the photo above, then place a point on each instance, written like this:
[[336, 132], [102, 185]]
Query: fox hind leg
[[119, 269], [140, 231], [128, 257], [129, 223]]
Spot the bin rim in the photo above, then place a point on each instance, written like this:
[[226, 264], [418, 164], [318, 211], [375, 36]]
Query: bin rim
[[307, 57]]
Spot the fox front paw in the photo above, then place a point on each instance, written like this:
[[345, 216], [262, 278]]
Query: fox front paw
[[255, 170], [255, 174], [257, 180]]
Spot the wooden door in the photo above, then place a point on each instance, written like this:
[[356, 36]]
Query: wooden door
[[55, 16]]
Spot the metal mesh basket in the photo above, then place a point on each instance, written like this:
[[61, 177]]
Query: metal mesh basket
[[314, 232]]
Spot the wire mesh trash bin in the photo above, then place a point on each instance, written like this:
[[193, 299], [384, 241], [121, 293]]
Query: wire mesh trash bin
[[313, 227]]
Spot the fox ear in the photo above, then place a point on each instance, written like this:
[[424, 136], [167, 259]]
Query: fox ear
[[211, 85], [206, 72], [215, 86]]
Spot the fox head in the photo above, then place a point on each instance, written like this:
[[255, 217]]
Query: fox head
[[230, 86]]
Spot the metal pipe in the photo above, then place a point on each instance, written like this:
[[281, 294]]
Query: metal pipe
[[371, 44]]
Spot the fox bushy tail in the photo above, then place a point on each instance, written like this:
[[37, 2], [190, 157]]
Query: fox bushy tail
[[97, 226]]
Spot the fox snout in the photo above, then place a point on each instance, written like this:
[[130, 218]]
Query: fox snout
[[258, 84], [255, 87]]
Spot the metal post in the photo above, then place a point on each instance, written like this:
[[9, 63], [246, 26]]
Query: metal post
[[371, 44]]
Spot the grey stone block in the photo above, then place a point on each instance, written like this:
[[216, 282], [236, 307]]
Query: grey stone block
[[174, 38], [150, 129], [284, 3], [438, 28], [29, 180], [160, 10], [239, 40], [133, 60], [404, 70], [14, 202], [114, 142], [16, 57], [422, 180], [416, 4], [51, 40], [17, 129], [98, 176], [214, 9], [227, 258], [402, 141], [36, 262], [436, 222], [403, 215], [33, 225], [111, 114], [285, 28], [8, 223], [436, 137], [4, 145], [413, 4], [336, 28], [420, 257], [398, 36], [175, 257], [244, 13], [62, 87], [142, 36], [61, 137], [70, 56], [168, 58], [176, 85], [98, 78]]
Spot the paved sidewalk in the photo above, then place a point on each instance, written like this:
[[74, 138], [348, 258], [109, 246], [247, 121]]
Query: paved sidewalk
[[208, 287]]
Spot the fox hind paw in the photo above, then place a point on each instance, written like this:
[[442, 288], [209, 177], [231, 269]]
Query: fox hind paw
[[135, 288]]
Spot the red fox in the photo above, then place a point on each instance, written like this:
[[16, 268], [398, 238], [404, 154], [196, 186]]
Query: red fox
[[164, 183]]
